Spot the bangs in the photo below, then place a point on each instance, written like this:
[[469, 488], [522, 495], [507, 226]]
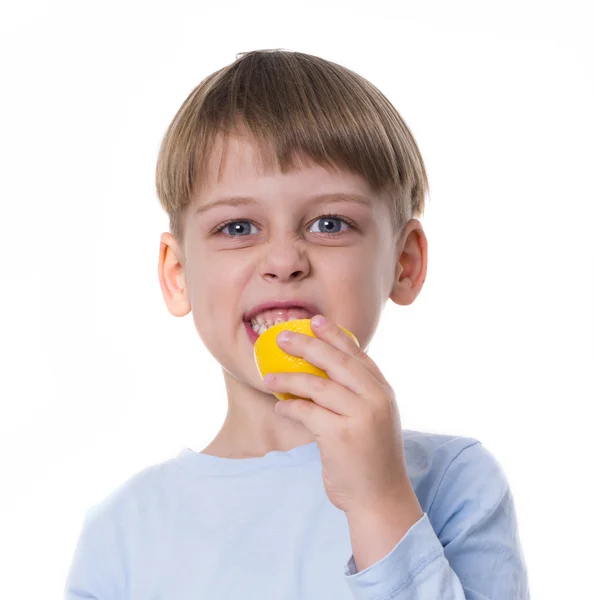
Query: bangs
[[298, 109]]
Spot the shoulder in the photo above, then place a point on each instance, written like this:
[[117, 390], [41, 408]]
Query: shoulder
[[429, 455], [133, 497], [104, 548], [443, 467], [455, 476], [422, 446]]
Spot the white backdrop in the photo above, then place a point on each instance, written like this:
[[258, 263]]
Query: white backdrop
[[98, 380]]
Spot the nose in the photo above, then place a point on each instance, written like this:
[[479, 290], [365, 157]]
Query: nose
[[285, 262]]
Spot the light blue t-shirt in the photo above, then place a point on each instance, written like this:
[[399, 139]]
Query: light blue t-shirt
[[200, 527]]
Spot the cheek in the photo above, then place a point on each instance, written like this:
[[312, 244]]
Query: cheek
[[219, 291], [358, 283], [351, 273]]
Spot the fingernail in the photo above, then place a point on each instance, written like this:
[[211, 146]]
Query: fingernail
[[318, 321], [284, 336]]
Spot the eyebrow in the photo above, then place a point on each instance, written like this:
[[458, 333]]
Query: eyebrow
[[247, 200]]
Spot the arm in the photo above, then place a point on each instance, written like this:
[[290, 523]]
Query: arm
[[466, 547]]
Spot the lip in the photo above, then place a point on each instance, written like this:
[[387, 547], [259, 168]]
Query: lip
[[252, 335], [312, 308]]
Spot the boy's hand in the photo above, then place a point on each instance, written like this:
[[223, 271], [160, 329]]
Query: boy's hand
[[354, 418]]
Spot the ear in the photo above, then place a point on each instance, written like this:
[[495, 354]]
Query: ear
[[411, 265], [172, 277]]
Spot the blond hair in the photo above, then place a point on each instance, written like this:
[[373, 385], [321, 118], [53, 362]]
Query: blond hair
[[294, 105]]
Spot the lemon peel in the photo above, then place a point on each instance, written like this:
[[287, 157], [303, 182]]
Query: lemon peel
[[270, 358]]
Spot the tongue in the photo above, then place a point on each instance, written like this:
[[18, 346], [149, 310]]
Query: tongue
[[284, 314]]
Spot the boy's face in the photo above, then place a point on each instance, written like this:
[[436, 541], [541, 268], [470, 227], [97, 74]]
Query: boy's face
[[278, 248]]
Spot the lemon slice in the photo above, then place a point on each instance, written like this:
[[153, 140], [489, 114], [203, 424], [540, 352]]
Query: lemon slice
[[270, 358]]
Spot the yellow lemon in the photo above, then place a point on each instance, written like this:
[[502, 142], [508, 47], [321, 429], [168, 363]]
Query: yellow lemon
[[272, 359]]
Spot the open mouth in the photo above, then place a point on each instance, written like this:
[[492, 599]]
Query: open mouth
[[257, 325]]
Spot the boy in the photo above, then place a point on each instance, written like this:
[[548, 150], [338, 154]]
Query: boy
[[292, 187]]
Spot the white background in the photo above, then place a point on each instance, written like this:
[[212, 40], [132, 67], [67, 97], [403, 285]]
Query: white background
[[98, 380]]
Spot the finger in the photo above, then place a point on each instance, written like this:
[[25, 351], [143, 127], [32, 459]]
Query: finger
[[330, 332], [341, 367], [322, 391], [317, 419]]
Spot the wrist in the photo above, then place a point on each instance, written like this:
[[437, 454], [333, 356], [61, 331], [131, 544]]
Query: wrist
[[375, 529], [403, 502]]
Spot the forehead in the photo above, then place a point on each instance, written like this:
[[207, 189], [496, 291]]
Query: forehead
[[243, 167]]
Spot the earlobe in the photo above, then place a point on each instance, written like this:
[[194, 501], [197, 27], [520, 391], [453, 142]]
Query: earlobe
[[172, 277]]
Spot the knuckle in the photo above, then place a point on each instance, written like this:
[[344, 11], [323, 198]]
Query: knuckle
[[344, 434], [345, 360], [389, 391], [360, 354], [321, 383]]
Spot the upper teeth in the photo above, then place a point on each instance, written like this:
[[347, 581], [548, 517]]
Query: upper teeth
[[261, 326]]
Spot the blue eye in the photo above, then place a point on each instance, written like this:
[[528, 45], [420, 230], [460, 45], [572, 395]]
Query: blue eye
[[330, 225], [238, 228]]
